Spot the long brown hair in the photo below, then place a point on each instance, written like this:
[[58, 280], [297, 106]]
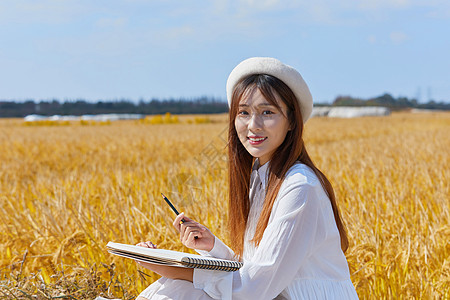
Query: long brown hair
[[291, 150]]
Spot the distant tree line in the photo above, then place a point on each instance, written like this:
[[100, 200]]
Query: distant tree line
[[387, 100], [202, 105]]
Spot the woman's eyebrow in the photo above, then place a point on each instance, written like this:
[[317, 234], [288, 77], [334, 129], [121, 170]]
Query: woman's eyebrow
[[261, 104], [266, 104]]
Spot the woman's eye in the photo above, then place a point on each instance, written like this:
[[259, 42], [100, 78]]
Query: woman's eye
[[242, 112], [268, 112]]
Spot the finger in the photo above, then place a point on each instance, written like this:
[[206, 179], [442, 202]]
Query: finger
[[186, 229], [191, 226], [150, 245], [193, 229], [187, 219], [194, 236], [183, 226], [177, 222], [182, 230], [200, 235], [196, 233]]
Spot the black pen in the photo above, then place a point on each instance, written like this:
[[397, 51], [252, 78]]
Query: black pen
[[174, 210], [172, 207]]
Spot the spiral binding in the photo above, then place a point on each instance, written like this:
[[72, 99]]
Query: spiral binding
[[211, 264]]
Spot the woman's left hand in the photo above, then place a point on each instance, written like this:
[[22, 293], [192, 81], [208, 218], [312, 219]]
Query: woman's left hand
[[147, 244], [166, 271]]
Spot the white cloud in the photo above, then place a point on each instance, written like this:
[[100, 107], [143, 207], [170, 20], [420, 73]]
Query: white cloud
[[112, 22], [176, 33], [372, 39], [381, 4], [43, 11], [322, 13], [172, 22], [443, 13], [264, 4], [398, 37]]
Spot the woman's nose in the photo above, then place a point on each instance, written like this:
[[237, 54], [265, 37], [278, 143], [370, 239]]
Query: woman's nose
[[255, 122]]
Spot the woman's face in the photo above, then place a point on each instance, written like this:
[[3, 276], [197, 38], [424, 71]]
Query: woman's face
[[261, 126]]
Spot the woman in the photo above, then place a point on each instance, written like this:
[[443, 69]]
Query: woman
[[283, 218]]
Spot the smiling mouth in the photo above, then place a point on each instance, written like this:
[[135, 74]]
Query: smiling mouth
[[256, 140]]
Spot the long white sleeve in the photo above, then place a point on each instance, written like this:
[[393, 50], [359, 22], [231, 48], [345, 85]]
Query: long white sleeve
[[298, 225], [220, 250]]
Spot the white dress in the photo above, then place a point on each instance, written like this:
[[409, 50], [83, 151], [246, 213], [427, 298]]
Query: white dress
[[299, 256]]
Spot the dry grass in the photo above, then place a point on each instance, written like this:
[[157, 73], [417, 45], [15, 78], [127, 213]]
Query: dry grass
[[65, 191]]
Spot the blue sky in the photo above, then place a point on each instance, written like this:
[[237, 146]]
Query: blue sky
[[111, 49]]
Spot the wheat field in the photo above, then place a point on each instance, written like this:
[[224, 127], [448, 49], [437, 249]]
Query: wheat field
[[68, 189]]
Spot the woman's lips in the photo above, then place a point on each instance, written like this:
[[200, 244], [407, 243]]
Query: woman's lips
[[256, 140]]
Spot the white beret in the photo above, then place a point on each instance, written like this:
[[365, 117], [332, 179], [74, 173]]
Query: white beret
[[274, 67]]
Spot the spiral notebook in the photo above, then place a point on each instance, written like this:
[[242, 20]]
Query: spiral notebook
[[172, 258]]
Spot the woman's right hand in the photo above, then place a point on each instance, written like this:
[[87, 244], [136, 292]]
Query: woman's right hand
[[193, 234]]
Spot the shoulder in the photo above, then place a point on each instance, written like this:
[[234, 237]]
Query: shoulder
[[301, 185], [301, 190], [301, 174]]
